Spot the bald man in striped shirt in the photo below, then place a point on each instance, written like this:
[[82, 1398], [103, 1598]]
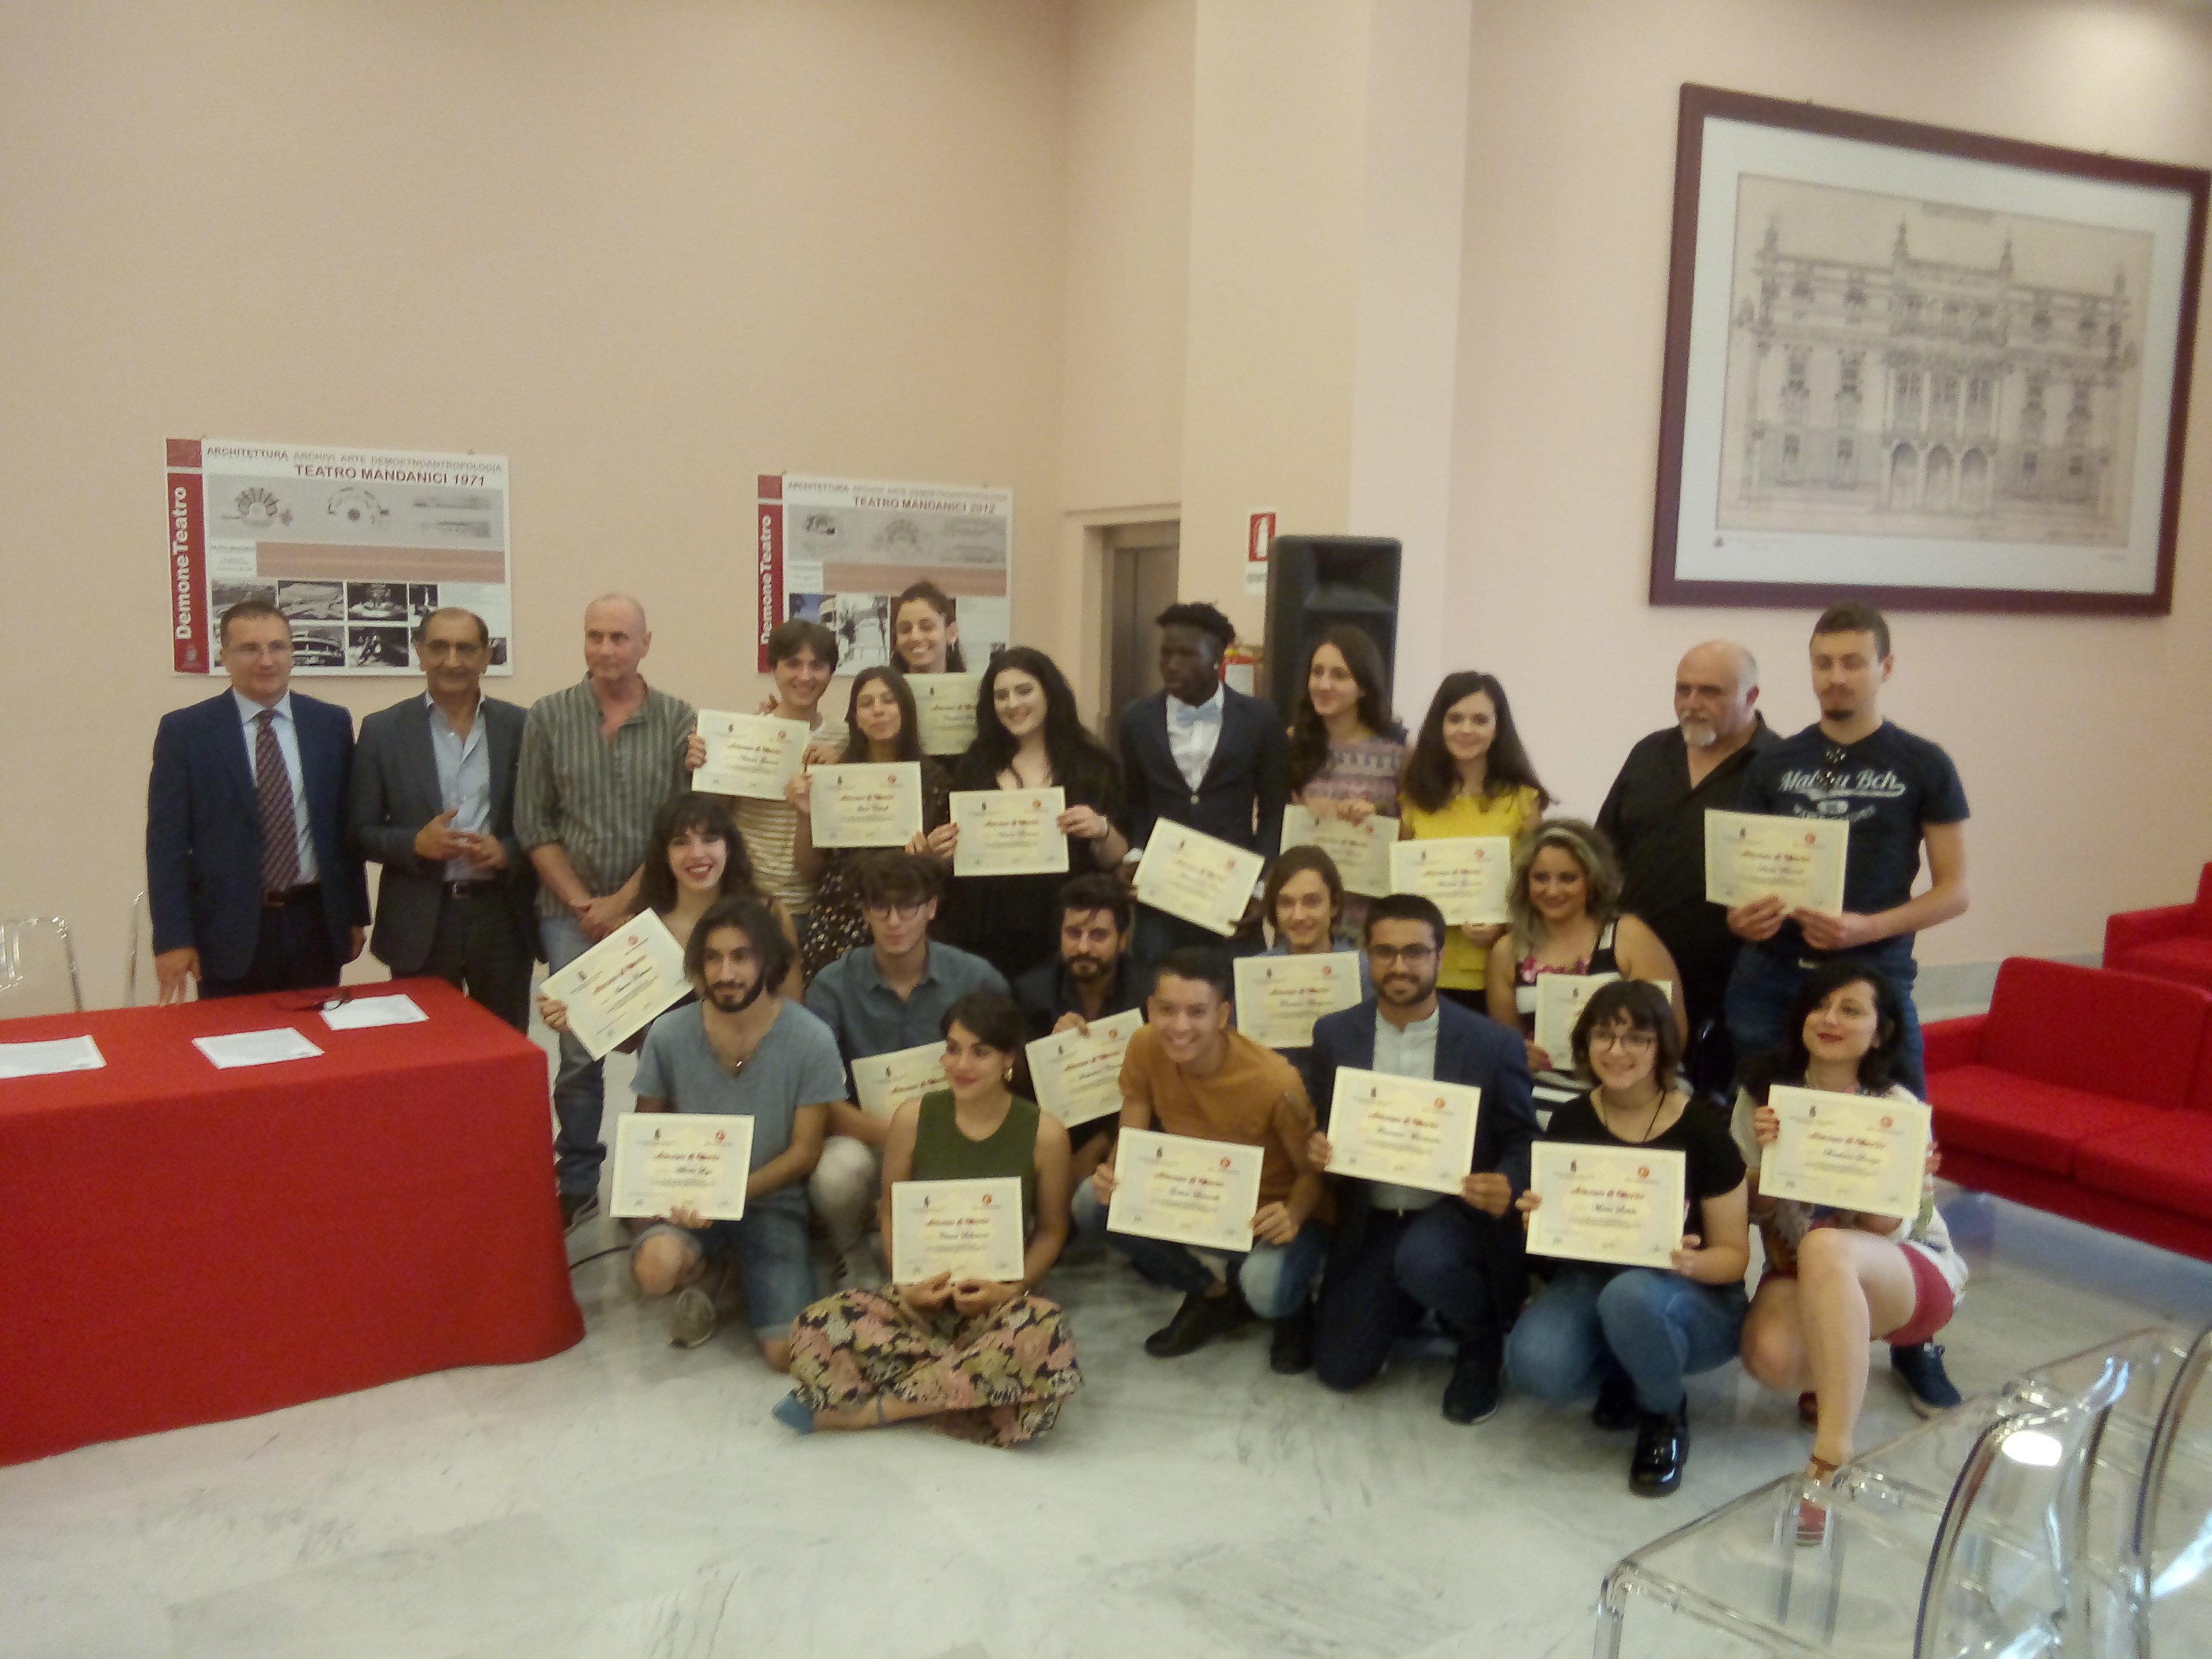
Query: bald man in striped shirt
[[598, 759]]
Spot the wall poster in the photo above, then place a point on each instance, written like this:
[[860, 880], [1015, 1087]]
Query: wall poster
[[355, 546]]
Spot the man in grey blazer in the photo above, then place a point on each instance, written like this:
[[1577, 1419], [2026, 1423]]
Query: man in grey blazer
[[434, 802]]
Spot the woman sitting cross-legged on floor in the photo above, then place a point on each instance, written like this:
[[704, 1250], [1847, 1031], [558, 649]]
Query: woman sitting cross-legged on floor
[[984, 1361], [1836, 1279]]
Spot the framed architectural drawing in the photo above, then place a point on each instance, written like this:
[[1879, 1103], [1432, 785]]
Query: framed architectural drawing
[[1924, 368]]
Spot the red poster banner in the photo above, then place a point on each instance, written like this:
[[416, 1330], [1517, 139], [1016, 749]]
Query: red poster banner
[[769, 528], [187, 564]]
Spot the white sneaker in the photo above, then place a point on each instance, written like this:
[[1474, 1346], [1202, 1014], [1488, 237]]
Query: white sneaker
[[858, 1269]]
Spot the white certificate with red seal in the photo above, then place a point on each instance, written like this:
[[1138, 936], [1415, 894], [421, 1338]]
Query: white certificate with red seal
[[1621, 1206], [1202, 1192], [965, 1229], [670, 1160], [1863, 1152]]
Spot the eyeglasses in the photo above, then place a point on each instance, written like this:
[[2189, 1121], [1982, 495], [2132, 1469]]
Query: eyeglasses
[[1629, 1042], [898, 912], [1412, 954]]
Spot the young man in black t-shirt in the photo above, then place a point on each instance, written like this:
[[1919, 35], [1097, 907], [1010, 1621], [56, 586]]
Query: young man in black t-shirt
[[1898, 792]]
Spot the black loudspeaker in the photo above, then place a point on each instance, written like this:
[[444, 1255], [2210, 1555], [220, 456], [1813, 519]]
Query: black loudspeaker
[[1316, 583]]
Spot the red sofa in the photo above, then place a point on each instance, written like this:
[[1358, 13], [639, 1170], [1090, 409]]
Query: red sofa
[[2085, 1092], [2173, 942]]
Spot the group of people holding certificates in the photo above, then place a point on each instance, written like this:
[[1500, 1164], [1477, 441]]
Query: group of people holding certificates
[[1325, 1026]]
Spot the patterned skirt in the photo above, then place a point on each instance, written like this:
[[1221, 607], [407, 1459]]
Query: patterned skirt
[[1000, 1378]]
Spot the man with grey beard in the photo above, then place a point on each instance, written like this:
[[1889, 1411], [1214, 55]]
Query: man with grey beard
[[1655, 817]]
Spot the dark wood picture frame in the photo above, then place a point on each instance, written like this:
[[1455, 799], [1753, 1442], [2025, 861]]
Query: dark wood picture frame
[[1942, 327]]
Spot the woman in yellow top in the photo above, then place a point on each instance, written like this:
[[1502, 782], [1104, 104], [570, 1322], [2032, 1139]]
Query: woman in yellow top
[[1468, 775]]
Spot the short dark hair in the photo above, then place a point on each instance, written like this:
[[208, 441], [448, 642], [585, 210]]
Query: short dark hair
[[247, 610], [891, 875], [1206, 618], [423, 628], [788, 639], [1296, 861], [993, 1018], [1201, 963], [1407, 907], [751, 917], [1097, 890], [1878, 1067], [1645, 1009], [1854, 616]]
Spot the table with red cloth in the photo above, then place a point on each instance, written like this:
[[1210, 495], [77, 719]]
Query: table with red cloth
[[184, 1244]]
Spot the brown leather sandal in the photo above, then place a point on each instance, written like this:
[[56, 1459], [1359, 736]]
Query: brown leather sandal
[[1812, 1517]]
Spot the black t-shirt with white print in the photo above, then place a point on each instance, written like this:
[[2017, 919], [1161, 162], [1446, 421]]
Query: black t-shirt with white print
[[1885, 786]]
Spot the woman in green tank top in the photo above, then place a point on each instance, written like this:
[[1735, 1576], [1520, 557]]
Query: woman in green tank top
[[984, 1359]]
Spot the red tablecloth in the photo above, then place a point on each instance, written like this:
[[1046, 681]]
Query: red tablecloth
[[180, 1244]]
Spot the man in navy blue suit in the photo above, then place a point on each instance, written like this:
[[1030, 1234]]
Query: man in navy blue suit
[[251, 883], [1398, 1251], [1199, 753]]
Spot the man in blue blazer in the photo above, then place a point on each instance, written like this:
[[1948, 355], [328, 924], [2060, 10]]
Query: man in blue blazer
[[434, 804], [251, 883], [1399, 1251], [1199, 753]]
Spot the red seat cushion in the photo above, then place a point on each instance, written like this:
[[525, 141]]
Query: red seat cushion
[[2167, 1164], [2188, 959], [2038, 1124], [2105, 1035]]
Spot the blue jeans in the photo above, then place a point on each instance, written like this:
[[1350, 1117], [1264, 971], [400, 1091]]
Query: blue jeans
[[580, 1089], [1763, 985], [1277, 1279], [774, 1262], [1655, 1327]]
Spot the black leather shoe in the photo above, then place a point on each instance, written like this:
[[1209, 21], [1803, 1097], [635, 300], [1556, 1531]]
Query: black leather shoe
[[1662, 1446], [1291, 1350], [1471, 1396], [1616, 1407], [1197, 1322]]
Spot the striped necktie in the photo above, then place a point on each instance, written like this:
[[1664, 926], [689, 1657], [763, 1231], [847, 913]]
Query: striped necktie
[[272, 790]]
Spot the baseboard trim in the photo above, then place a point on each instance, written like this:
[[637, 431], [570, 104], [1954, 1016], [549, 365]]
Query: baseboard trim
[[1952, 990]]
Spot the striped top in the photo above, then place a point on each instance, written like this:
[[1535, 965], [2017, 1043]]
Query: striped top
[[1364, 770], [594, 797], [771, 831]]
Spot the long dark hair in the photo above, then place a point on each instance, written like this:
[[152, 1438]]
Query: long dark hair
[[681, 815], [1074, 752], [1786, 1064], [1309, 737], [908, 746], [937, 599], [1431, 774]]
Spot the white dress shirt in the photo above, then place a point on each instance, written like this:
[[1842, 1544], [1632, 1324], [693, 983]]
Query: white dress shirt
[[1194, 733], [288, 743], [463, 779], [1409, 1052]]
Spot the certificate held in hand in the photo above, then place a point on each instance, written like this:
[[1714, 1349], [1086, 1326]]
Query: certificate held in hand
[[867, 805], [1863, 1152], [670, 1160], [1468, 876], [1361, 851], [1279, 998], [1618, 1205], [887, 1082], [1193, 875], [1750, 856], [944, 711], [616, 988], [1203, 1193], [1009, 832], [1078, 1075], [1410, 1131], [966, 1229], [751, 754]]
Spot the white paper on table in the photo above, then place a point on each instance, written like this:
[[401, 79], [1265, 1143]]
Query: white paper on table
[[1864, 1152], [1618, 1204], [1078, 1075], [1409, 1131], [621, 984], [1361, 851], [944, 711], [667, 1160], [1201, 1193], [256, 1047], [1468, 876], [76, 1053], [359, 1013], [753, 755], [967, 1228], [1279, 998], [875, 803], [1752, 855], [1190, 874], [1009, 832], [886, 1082]]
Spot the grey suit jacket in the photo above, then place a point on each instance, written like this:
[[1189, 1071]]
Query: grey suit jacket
[[395, 792]]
